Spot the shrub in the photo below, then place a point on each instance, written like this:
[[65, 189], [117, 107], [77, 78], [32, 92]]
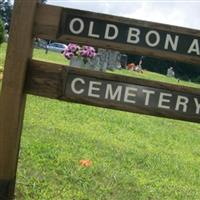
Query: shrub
[[196, 80], [1, 31]]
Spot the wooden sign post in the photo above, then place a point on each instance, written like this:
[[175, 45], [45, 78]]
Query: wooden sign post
[[12, 100], [22, 75]]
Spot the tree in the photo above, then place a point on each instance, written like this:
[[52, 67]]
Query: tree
[[5, 12], [1, 31]]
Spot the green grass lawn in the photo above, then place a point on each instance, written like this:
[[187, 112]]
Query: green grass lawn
[[2, 55], [134, 157], [156, 77], [50, 56]]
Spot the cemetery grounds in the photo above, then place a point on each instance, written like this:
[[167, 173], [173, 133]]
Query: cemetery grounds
[[132, 156]]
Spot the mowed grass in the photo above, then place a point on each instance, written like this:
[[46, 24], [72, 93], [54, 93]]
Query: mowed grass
[[50, 56], [133, 156], [156, 77], [2, 55]]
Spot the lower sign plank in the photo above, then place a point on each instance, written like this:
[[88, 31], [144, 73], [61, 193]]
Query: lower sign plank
[[131, 97], [114, 91]]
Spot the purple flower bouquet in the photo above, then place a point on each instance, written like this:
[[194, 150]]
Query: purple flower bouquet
[[84, 52]]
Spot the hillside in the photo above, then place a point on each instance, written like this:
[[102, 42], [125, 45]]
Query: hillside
[[133, 156]]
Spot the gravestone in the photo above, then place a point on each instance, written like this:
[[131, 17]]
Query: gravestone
[[109, 59], [76, 62], [170, 72], [93, 63], [103, 59], [90, 63], [124, 61], [113, 60]]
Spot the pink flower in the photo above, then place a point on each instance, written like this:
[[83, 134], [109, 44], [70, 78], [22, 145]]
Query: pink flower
[[87, 51], [68, 55], [75, 50], [73, 47]]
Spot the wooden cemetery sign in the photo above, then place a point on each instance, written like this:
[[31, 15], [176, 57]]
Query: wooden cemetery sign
[[123, 34], [113, 91], [22, 75]]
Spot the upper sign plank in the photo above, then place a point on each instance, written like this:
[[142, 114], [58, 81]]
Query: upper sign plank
[[126, 35], [139, 36]]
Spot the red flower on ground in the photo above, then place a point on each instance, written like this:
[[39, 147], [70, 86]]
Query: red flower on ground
[[131, 66], [85, 163]]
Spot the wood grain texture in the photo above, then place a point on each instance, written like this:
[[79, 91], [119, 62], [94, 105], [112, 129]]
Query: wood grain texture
[[48, 21], [48, 80], [12, 99]]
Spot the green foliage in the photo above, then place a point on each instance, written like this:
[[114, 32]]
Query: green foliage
[[196, 80], [5, 12], [2, 55], [1, 32]]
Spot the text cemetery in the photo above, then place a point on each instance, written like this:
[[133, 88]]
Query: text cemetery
[[132, 95]]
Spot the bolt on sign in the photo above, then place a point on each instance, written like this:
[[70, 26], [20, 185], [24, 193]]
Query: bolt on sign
[[31, 19]]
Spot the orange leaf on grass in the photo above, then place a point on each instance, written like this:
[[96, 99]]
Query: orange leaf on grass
[[85, 163]]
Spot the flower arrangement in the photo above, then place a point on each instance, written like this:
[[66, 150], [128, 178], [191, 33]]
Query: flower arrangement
[[86, 52]]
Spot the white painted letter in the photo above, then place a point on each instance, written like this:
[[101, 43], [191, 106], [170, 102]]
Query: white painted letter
[[116, 31], [147, 38], [182, 101], [133, 35], [113, 95], [169, 41], [129, 92], [163, 100], [73, 85], [197, 105], [194, 47], [71, 26], [93, 88], [148, 93], [91, 27]]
